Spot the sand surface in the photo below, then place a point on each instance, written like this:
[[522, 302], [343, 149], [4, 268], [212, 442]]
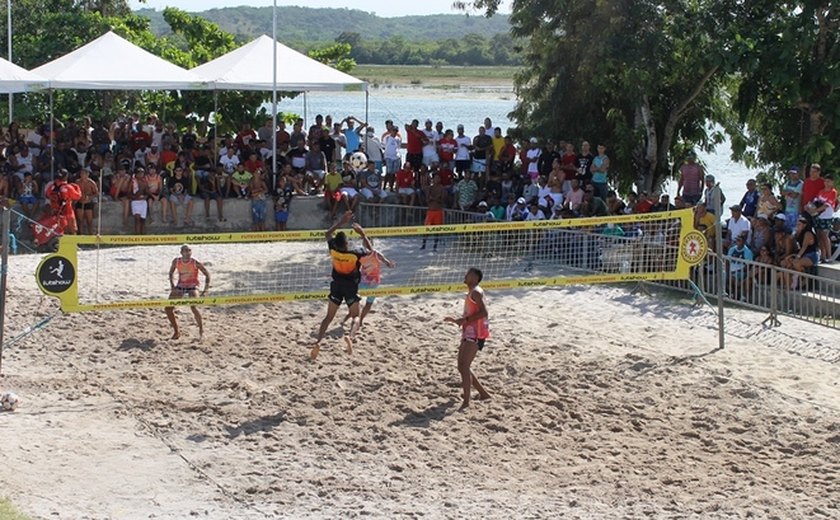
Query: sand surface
[[605, 405]]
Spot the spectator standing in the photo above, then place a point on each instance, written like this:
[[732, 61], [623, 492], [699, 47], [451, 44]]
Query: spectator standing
[[749, 202], [690, 184], [600, 168], [812, 186], [463, 152], [793, 198]]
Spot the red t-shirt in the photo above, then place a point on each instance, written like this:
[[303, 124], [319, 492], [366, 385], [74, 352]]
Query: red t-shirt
[[447, 149], [168, 156], [415, 141], [569, 163], [139, 139], [405, 178], [446, 177], [251, 166], [810, 189], [830, 196], [643, 206], [245, 137]]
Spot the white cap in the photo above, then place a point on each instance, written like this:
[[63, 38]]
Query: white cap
[[520, 200], [482, 204], [534, 140]]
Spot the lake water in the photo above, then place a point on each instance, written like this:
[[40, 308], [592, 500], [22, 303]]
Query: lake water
[[470, 108]]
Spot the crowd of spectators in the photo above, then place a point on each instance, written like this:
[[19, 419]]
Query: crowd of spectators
[[159, 172]]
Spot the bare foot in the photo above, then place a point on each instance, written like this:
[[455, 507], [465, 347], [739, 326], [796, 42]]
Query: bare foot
[[349, 343], [176, 335], [483, 397], [464, 405], [313, 354]]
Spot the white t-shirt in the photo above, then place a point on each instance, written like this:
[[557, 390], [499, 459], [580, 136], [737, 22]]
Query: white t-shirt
[[373, 148], [430, 148], [740, 227], [392, 147], [229, 163], [462, 153], [534, 216], [26, 162], [533, 153]]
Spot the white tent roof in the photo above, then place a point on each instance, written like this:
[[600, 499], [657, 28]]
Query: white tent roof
[[17, 79], [250, 68], [113, 63]]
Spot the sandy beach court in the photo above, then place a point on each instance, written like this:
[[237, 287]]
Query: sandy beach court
[[605, 405]]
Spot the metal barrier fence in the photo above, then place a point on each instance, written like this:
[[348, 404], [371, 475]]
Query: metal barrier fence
[[769, 288]]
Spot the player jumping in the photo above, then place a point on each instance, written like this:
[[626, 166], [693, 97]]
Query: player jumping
[[371, 271], [345, 279]]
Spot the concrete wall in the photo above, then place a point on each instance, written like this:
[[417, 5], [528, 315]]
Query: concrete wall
[[304, 213]]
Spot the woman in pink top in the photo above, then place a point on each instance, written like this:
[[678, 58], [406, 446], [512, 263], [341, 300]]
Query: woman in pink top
[[475, 329]]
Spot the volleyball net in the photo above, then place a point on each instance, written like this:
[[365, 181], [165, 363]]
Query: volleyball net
[[122, 272]]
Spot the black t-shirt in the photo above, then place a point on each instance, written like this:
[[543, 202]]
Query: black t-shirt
[[546, 160], [327, 146], [482, 141], [188, 140], [584, 163], [345, 264], [178, 186]]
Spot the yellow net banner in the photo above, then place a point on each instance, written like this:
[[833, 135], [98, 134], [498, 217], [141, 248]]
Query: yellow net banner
[[293, 266]]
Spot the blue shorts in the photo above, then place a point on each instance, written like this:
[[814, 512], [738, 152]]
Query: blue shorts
[[258, 210], [370, 299], [281, 216], [27, 199], [814, 257]]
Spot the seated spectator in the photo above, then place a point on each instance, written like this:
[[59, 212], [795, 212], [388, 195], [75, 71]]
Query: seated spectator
[[253, 163], [749, 202], [332, 186], [121, 190], [349, 193], [531, 190], [405, 184], [705, 223], [768, 203], [738, 271], [592, 205], [615, 206], [783, 244], [467, 191], [208, 189], [644, 204], [497, 209], [28, 197], [761, 235], [574, 198], [153, 156], [664, 204], [154, 187], [762, 273], [288, 182], [736, 226], [240, 181], [534, 212], [807, 251], [371, 183], [179, 195], [315, 166]]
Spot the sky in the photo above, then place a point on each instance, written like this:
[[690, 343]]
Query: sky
[[386, 8]]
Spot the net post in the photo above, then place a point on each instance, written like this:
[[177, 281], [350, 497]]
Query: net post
[[720, 265], [6, 218], [773, 319]]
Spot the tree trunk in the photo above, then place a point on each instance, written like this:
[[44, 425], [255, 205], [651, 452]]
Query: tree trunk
[[651, 145]]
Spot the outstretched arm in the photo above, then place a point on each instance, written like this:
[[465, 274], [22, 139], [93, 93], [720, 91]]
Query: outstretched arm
[[387, 262], [340, 222], [365, 240]]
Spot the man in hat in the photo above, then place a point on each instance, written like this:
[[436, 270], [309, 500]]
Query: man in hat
[[712, 190], [738, 226]]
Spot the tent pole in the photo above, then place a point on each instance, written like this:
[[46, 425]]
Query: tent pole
[[274, 101], [215, 126], [52, 138], [367, 106], [6, 224], [9, 46], [304, 111]]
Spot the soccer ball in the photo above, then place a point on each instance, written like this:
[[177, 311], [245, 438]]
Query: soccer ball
[[9, 401], [358, 161]]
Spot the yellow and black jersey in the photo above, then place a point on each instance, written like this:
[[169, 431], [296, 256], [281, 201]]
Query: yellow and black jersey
[[346, 263]]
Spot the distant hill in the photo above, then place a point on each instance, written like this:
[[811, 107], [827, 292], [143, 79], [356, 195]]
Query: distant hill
[[304, 24]]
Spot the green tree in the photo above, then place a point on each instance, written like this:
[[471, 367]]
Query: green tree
[[336, 56], [643, 76], [789, 90]]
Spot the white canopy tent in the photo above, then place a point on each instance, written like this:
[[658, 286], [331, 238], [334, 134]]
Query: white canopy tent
[[111, 62], [17, 79], [249, 68]]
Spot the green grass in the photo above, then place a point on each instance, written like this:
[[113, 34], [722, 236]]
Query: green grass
[[434, 76], [8, 512]]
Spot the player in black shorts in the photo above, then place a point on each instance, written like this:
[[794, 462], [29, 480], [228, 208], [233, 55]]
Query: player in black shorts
[[344, 287]]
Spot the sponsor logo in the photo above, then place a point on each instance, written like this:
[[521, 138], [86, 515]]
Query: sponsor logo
[[196, 239], [693, 248], [56, 274], [424, 290], [530, 283]]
